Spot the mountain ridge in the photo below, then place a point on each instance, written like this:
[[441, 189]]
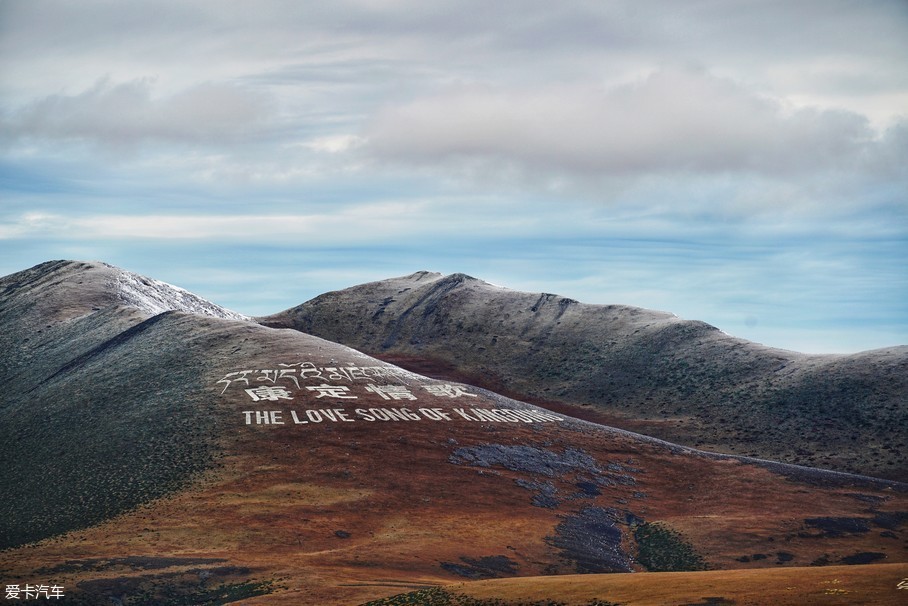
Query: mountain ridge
[[648, 371]]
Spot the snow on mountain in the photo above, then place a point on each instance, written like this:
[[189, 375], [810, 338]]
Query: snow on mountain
[[154, 296]]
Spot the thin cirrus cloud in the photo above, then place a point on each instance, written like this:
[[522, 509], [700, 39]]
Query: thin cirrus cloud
[[365, 224], [129, 113]]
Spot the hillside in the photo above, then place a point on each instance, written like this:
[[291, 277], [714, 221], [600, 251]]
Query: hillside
[[646, 371], [177, 453], [875, 585]]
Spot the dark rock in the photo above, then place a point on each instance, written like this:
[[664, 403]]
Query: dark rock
[[592, 540], [527, 459], [486, 567], [588, 489], [543, 500], [834, 527], [545, 492], [864, 557], [890, 520]]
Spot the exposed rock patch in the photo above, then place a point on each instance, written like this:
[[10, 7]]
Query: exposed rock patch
[[527, 459], [486, 567], [864, 557], [572, 466], [835, 527], [591, 539]]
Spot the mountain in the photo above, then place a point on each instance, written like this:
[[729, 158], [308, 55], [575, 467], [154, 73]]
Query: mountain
[[97, 413], [645, 371], [159, 449]]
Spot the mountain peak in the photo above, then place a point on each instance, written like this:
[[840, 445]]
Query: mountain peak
[[154, 296], [71, 289]]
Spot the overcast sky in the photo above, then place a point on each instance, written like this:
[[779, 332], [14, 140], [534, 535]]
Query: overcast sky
[[741, 162]]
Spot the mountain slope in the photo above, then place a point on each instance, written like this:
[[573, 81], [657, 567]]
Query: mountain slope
[[91, 345], [647, 371], [780, 587], [189, 458]]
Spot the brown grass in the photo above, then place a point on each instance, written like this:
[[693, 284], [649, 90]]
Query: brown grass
[[846, 585]]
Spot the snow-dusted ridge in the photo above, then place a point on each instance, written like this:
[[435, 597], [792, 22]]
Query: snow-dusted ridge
[[154, 297]]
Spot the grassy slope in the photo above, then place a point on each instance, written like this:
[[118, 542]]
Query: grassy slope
[[846, 585]]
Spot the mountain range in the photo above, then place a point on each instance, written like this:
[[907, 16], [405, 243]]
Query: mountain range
[[646, 371], [160, 449]]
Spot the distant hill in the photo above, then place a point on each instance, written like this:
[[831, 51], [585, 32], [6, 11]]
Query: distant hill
[[647, 371], [159, 449]]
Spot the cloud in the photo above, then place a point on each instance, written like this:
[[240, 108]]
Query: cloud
[[527, 142], [674, 120], [335, 144], [128, 113], [375, 222]]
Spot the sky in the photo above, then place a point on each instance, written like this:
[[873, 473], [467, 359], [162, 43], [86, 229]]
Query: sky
[[739, 162]]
